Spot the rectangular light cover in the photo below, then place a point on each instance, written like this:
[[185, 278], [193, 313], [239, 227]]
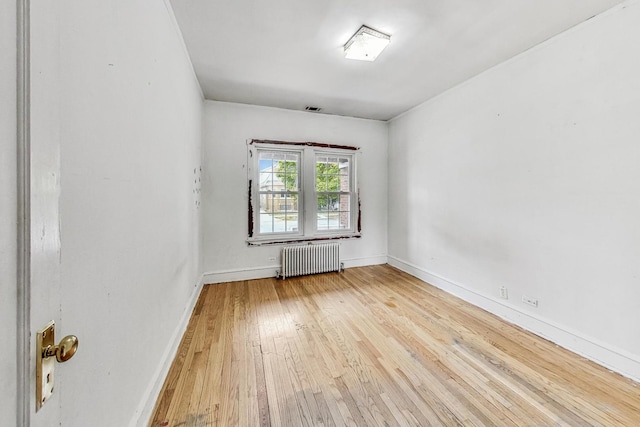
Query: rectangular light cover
[[366, 44]]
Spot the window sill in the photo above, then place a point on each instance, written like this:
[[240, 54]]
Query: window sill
[[263, 241]]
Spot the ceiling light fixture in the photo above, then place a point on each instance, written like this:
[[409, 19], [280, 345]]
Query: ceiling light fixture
[[366, 44]]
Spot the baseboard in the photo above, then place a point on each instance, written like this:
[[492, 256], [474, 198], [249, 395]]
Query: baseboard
[[364, 261], [235, 275], [262, 272], [617, 360], [145, 408]]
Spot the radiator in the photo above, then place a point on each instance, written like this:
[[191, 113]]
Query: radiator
[[310, 259]]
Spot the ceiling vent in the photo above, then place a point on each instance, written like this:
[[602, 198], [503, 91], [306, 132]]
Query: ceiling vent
[[312, 109]]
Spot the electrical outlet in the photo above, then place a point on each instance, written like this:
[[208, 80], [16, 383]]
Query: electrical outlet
[[529, 300], [504, 294]]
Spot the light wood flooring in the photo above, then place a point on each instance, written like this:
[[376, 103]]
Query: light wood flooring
[[374, 346]]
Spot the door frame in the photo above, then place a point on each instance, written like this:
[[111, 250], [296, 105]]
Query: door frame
[[23, 192]]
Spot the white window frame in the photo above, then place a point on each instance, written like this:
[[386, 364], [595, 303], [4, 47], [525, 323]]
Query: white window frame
[[307, 197]]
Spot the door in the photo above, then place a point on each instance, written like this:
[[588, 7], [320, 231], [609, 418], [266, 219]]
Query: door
[[43, 286]]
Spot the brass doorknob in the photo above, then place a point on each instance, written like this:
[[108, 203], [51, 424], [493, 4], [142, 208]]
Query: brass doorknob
[[63, 351]]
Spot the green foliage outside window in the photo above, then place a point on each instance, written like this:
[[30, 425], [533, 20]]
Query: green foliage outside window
[[288, 174], [327, 179]]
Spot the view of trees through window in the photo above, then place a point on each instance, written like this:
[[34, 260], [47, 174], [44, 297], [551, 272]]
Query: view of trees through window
[[332, 187], [327, 180], [280, 175], [278, 189], [302, 190]]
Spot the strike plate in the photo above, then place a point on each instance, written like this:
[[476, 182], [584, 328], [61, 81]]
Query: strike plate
[[45, 366]]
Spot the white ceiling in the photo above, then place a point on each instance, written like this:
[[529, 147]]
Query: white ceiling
[[289, 53]]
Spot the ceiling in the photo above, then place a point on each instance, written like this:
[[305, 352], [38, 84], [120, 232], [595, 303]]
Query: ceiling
[[289, 53]]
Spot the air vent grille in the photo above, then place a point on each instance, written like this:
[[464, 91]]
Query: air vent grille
[[312, 109]]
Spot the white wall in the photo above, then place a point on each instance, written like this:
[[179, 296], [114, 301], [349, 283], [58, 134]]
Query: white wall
[[227, 127], [528, 177], [130, 114], [8, 211]]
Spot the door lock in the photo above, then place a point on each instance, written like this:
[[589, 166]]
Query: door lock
[[46, 355]]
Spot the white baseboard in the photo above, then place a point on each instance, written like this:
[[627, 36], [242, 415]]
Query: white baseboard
[[262, 272], [364, 261], [617, 360], [235, 275], [145, 408]]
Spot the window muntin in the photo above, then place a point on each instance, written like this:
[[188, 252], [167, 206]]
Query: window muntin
[[302, 191]]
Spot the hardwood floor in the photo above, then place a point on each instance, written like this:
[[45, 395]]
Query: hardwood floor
[[374, 346]]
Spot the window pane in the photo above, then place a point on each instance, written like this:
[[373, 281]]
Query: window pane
[[328, 202], [266, 223], [278, 222], [290, 181], [266, 181], [291, 222], [288, 203], [328, 221], [291, 164], [333, 173], [278, 171], [333, 183], [345, 175], [286, 172], [265, 158], [278, 212], [329, 214], [323, 223], [327, 174], [345, 210], [267, 203], [334, 212]]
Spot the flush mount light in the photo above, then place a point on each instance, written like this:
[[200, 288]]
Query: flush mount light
[[366, 44]]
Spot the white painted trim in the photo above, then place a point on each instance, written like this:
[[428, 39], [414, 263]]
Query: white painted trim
[[612, 358], [176, 27], [262, 272], [144, 411], [364, 261], [235, 275]]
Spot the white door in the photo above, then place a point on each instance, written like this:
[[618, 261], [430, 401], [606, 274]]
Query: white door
[[43, 204]]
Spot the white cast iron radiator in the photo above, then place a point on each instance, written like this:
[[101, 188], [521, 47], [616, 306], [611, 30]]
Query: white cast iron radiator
[[310, 259]]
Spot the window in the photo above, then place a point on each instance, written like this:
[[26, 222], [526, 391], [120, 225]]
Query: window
[[278, 190], [333, 192], [301, 191]]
